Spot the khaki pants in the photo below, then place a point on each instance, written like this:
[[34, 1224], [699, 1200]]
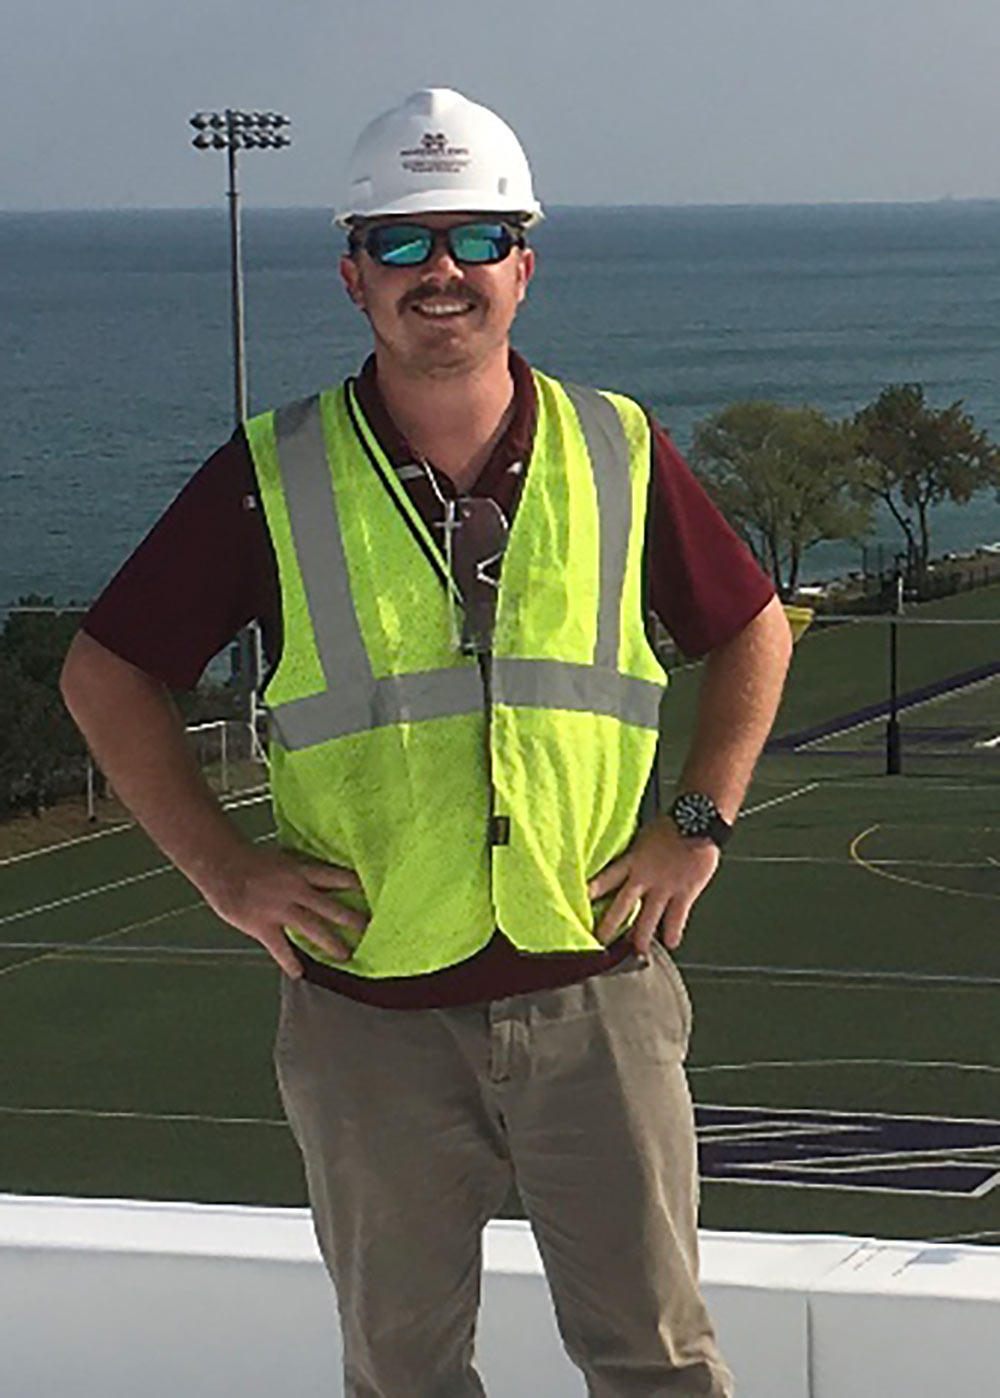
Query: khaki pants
[[414, 1123]]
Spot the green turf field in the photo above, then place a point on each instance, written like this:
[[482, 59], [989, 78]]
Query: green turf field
[[844, 966]]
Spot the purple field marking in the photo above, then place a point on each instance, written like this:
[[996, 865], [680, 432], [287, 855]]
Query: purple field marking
[[789, 742]]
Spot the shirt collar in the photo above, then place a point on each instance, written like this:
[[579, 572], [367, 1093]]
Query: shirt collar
[[513, 446]]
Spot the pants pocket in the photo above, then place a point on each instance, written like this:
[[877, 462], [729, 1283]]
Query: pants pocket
[[282, 1032], [665, 961]]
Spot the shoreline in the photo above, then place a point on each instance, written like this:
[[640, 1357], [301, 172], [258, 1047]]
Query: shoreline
[[817, 586]]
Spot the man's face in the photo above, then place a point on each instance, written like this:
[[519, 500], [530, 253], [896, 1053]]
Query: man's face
[[442, 317]]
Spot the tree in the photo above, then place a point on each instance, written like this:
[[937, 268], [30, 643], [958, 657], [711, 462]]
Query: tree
[[41, 754], [785, 478], [915, 456], [39, 636]]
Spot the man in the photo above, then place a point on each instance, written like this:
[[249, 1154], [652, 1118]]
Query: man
[[449, 556]]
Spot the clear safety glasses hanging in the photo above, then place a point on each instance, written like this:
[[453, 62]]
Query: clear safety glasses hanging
[[475, 532]]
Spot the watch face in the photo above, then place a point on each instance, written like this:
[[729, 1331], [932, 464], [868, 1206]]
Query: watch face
[[694, 813]]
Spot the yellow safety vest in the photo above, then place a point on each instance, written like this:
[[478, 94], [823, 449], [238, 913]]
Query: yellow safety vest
[[468, 794]]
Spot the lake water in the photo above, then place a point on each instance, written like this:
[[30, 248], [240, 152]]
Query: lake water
[[115, 377]]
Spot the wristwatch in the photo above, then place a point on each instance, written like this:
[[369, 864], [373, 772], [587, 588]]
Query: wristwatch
[[697, 817]]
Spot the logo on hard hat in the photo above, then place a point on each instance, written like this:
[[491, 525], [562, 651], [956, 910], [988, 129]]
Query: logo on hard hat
[[434, 156]]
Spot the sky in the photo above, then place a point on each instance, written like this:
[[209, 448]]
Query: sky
[[632, 102]]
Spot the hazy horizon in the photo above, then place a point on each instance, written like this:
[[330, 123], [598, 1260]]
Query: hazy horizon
[[658, 102], [550, 208]]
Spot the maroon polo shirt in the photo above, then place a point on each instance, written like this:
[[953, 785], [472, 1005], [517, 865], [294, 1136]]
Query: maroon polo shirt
[[207, 568]]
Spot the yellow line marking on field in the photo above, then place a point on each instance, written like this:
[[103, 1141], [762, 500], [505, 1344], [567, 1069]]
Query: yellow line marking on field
[[873, 868], [99, 1114]]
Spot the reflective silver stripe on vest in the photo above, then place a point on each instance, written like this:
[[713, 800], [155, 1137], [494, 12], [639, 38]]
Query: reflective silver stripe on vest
[[354, 701], [553, 684], [304, 723], [607, 447], [345, 704]]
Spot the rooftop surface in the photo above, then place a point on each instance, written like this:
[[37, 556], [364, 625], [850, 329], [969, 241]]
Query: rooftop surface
[[107, 1298]]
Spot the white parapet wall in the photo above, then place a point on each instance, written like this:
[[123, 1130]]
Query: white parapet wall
[[110, 1298]]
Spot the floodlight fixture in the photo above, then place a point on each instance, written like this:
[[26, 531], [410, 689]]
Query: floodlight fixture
[[233, 130]]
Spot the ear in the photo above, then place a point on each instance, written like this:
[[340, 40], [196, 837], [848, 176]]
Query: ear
[[350, 275], [525, 271]]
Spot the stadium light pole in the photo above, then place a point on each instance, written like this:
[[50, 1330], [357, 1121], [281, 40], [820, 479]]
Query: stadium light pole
[[233, 131]]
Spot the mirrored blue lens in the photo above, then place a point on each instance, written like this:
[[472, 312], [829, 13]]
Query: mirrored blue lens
[[480, 242], [410, 244], [400, 244]]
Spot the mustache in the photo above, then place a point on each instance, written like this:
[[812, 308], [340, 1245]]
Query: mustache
[[459, 290]]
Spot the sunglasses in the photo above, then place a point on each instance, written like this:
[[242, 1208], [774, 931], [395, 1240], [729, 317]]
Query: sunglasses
[[475, 539], [412, 244]]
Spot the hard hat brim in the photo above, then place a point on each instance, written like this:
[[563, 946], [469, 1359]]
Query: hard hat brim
[[442, 201]]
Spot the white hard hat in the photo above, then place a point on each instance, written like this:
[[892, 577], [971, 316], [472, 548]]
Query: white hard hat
[[438, 153]]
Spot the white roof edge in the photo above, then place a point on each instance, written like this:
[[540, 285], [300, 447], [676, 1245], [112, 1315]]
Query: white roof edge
[[776, 1261], [156, 1226]]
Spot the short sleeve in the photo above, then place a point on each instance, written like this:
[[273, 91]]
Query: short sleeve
[[703, 582], [203, 572]]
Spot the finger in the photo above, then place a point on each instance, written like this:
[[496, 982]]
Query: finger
[[279, 950], [332, 910], [302, 920], [330, 876], [351, 918], [609, 878], [622, 904], [643, 930], [674, 922]]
